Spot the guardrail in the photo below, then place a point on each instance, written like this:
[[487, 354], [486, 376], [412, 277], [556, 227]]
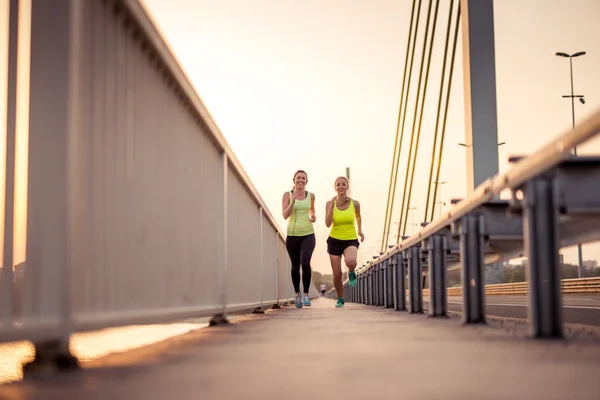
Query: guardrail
[[555, 202], [568, 286], [138, 210]]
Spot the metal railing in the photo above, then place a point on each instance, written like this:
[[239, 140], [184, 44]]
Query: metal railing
[[555, 202], [568, 286], [138, 210]]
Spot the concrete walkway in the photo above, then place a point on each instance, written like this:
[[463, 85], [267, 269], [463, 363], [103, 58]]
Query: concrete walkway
[[325, 353]]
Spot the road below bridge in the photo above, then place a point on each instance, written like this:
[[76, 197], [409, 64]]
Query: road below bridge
[[577, 309]]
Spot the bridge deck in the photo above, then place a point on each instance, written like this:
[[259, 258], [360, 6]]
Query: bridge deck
[[327, 353]]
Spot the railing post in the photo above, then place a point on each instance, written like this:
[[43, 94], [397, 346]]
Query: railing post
[[350, 293], [259, 310], [471, 254], [276, 306], [381, 279], [390, 283], [371, 287], [399, 283], [376, 285], [6, 273], [393, 281], [55, 123], [436, 248], [386, 286], [359, 286], [363, 287], [414, 278], [540, 229], [220, 318]]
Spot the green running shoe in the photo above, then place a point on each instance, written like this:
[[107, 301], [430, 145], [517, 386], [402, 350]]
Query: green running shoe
[[352, 277], [340, 303]]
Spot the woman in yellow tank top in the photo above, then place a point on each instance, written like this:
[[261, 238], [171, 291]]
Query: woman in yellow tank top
[[343, 215]]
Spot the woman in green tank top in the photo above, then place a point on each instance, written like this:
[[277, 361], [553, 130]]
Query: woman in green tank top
[[342, 214], [299, 206]]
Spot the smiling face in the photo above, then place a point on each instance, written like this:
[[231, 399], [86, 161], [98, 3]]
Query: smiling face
[[300, 180], [341, 186]]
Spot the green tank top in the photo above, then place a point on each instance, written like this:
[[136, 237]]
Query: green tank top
[[342, 227], [299, 221]]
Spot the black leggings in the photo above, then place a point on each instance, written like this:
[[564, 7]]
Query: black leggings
[[300, 250]]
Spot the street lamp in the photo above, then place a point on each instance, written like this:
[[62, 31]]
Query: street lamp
[[440, 202], [582, 100], [572, 96], [411, 218], [390, 233]]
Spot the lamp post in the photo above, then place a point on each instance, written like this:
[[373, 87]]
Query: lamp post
[[411, 219], [440, 202], [572, 96], [395, 236]]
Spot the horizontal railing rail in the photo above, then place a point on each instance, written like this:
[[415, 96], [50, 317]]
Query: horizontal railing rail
[[138, 209], [555, 202], [568, 286]]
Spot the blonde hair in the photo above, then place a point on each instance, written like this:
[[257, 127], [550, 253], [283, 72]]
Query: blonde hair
[[344, 178], [300, 171]]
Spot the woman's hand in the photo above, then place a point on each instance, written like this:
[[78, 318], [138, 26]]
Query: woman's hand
[[313, 218], [332, 202], [362, 237], [295, 196]]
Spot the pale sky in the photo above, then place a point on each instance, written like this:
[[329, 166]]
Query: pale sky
[[315, 85]]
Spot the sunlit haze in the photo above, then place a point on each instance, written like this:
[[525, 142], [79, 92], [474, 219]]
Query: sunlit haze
[[315, 85]]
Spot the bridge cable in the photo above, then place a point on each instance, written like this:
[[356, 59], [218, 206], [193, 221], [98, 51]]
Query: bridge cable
[[398, 145], [398, 237], [414, 163], [437, 177], [439, 109], [404, 111]]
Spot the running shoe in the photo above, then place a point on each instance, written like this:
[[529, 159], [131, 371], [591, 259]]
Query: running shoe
[[306, 300], [352, 277], [298, 301]]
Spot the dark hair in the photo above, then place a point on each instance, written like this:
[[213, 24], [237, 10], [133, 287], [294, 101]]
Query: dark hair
[[300, 171]]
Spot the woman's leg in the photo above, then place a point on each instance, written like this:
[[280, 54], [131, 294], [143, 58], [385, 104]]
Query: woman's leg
[[292, 244], [336, 267], [350, 255], [306, 252]]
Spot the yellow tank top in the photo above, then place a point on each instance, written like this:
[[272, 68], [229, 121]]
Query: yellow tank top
[[343, 227], [299, 221]]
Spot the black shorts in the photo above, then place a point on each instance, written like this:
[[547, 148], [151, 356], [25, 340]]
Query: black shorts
[[336, 247]]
